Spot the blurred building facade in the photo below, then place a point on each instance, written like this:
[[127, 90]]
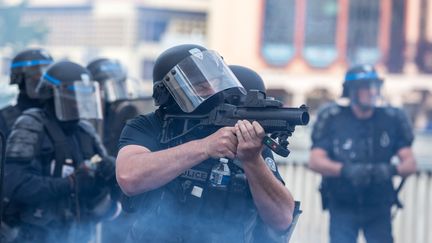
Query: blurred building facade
[[301, 47], [284, 35]]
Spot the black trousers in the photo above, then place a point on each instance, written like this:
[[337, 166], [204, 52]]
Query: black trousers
[[346, 222]]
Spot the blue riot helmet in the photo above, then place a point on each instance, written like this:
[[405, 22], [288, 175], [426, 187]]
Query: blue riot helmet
[[191, 75], [362, 85], [70, 87], [27, 68]]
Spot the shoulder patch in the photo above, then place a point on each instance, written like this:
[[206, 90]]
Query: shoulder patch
[[271, 164]]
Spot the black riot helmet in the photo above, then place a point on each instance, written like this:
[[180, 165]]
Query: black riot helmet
[[26, 69], [250, 81], [104, 69], [248, 78], [362, 77], [191, 75], [70, 87], [113, 80]]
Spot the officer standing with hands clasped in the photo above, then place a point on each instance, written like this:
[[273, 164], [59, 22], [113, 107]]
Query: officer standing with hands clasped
[[352, 149], [210, 186], [58, 175]]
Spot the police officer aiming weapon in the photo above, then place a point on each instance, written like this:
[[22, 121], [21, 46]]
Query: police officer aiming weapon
[[240, 200], [276, 120]]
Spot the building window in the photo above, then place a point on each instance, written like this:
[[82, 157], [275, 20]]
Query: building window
[[320, 32], [278, 32], [363, 32], [153, 29], [147, 69], [156, 25]]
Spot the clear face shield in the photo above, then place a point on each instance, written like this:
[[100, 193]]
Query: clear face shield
[[129, 89], [79, 100], [32, 78], [199, 77], [367, 95]]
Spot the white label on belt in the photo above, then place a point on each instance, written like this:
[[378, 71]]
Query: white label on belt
[[197, 191]]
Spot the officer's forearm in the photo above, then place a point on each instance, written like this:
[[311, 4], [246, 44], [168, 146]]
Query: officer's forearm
[[274, 202], [320, 163], [408, 164], [139, 170]]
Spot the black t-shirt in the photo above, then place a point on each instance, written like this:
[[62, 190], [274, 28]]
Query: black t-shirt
[[179, 211], [347, 139]]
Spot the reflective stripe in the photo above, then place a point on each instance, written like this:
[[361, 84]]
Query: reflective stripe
[[51, 79], [357, 76], [31, 63]]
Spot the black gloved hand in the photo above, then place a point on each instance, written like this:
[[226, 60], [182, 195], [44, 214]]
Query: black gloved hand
[[105, 171], [84, 181], [383, 172], [358, 174]]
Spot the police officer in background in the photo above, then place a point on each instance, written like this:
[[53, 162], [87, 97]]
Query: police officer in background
[[177, 202], [352, 149], [58, 175], [124, 98], [26, 69]]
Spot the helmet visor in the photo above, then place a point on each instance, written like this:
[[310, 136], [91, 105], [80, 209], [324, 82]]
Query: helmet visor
[[367, 94], [198, 77], [79, 100], [33, 76], [129, 89], [115, 90]]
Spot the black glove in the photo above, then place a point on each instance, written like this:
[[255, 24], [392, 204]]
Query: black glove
[[105, 171], [383, 172], [105, 174], [358, 174], [84, 181]]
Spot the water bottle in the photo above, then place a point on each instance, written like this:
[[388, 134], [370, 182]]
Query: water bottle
[[220, 174]]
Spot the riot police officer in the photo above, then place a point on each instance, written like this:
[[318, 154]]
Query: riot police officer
[[352, 149], [25, 71], [178, 204], [124, 98], [58, 175]]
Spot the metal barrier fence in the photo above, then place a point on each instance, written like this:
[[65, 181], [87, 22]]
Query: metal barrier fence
[[411, 224]]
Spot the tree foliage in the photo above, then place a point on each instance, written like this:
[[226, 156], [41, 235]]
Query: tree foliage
[[14, 32]]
